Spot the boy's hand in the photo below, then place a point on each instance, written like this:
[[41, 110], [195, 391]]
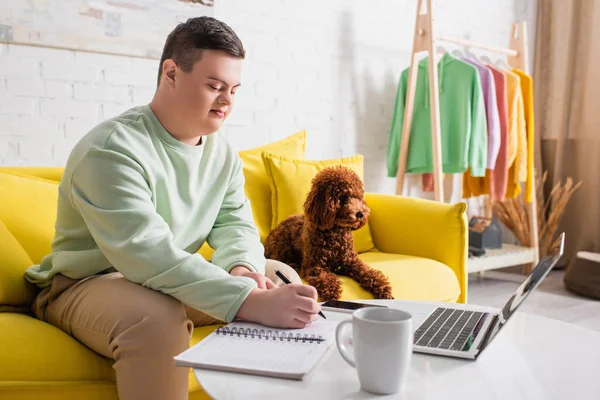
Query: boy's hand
[[289, 306], [262, 281]]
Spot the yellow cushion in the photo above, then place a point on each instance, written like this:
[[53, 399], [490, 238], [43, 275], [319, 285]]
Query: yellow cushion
[[206, 251], [50, 173], [38, 360], [28, 209], [412, 278], [257, 188], [15, 290], [291, 180]]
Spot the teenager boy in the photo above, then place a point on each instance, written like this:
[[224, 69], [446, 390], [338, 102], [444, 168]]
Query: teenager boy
[[140, 194]]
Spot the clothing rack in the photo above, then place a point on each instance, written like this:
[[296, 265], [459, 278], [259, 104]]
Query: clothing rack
[[425, 39]]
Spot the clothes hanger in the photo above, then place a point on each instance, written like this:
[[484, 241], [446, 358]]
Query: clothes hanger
[[439, 53], [472, 56], [501, 63], [458, 54], [486, 60]]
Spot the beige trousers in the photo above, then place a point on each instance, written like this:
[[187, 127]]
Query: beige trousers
[[139, 328]]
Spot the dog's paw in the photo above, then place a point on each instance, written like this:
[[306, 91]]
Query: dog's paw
[[384, 293], [388, 296], [338, 292], [333, 291], [330, 293], [328, 286]]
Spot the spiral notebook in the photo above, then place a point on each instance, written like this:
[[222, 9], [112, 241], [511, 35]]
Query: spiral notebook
[[257, 350]]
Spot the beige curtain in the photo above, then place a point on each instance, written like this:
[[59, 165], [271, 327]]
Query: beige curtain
[[567, 112]]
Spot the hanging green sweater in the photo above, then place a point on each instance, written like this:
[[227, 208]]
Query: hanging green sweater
[[462, 121]]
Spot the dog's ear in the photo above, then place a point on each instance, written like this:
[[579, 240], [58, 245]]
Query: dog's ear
[[321, 206]]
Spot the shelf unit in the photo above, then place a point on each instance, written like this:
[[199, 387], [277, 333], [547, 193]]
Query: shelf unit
[[509, 255]]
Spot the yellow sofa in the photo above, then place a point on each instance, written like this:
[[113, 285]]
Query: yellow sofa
[[421, 245]]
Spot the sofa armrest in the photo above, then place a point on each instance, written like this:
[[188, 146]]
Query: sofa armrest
[[422, 228]]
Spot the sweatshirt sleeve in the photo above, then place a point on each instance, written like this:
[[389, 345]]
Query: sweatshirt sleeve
[[393, 150], [493, 121], [112, 194], [521, 158], [530, 119], [478, 145], [234, 236]]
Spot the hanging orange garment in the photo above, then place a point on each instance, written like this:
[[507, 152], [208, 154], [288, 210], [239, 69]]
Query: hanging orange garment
[[495, 181], [527, 92], [517, 135], [427, 182], [499, 176], [512, 86]]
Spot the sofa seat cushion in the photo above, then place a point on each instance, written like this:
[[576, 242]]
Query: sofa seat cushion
[[35, 350], [36, 357], [412, 278]]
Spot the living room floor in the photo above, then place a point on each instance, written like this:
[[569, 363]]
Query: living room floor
[[551, 299]]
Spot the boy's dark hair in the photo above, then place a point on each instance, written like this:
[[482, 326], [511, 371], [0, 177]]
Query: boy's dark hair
[[185, 43]]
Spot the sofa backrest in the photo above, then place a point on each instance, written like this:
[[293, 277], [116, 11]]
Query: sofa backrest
[[49, 173]]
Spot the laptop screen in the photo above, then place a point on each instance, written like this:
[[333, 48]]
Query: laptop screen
[[531, 282]]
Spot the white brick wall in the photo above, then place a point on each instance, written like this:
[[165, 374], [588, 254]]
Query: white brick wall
[[330, 67], [50, 98]]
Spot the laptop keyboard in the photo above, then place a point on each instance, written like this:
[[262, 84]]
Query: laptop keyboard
[[449, 328]]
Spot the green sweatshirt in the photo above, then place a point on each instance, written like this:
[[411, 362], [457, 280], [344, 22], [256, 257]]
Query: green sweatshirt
[[136, 200], [463, 125]]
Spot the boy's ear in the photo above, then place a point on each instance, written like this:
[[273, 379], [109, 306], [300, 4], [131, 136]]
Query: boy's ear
[[169, 69]]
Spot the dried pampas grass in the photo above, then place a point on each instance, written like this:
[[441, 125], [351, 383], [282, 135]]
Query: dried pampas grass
[[515, 213]]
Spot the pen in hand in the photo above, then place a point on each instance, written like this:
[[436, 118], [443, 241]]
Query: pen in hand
[[286, 280]]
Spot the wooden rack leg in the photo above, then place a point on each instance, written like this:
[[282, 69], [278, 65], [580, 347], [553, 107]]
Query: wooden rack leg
[[418, 45], [533, 224], [436, 142], [408, 111], [518, 42], [423, 41]]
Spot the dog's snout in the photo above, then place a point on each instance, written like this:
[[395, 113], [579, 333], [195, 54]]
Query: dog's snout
[[360, 214]]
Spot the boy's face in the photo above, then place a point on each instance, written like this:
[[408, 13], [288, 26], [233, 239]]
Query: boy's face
[[205, 95]]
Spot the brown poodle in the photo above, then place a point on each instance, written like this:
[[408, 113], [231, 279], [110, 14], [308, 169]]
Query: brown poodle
[[319, 244]]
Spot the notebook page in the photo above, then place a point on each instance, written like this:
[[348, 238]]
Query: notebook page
[[259, 355]]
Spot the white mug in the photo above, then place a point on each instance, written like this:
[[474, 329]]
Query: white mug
[[382, 341]]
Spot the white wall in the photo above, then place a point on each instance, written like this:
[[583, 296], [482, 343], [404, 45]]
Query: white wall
[[327, 66]]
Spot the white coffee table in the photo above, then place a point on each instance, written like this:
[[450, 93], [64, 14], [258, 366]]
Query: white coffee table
[[533, 357]]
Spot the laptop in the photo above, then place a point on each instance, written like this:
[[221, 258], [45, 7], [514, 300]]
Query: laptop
[[465, 332]]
